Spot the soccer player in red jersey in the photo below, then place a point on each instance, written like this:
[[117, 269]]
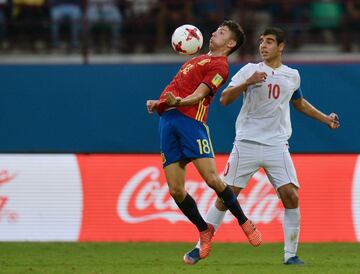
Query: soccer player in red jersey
[[184, 136]]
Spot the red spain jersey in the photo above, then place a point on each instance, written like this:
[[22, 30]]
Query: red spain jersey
[[212, 71]]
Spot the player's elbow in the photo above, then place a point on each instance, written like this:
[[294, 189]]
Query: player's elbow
[[226, 97], [224, 101], [299, 105]]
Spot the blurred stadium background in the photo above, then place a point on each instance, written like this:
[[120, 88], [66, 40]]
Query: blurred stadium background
[[79, 154], [122, 27]]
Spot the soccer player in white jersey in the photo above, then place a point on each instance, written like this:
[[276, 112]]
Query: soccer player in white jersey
[[263, 128]]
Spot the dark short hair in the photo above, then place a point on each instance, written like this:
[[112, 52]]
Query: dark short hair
[[277, 32], [238, 33]]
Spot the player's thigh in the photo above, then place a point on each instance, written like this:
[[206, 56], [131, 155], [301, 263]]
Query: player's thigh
[[170, 145], [243, 162], [279, 166], [175, 177]]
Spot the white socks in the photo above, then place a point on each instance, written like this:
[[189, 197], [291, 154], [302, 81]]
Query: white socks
[[214, 216], [291, 226]]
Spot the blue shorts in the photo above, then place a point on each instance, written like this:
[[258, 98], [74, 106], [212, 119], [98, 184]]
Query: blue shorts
[[183, 138]]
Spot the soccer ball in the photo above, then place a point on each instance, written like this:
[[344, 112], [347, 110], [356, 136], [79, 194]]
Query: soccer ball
[[187, 39]]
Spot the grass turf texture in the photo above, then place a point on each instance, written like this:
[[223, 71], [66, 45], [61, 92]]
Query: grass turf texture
[[97, 258]]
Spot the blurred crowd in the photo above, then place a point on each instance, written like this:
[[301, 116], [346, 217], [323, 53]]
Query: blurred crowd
[[145, 26]]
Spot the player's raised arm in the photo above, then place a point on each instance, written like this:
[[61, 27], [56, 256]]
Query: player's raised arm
[[302, 105], [231, 93], [201, 92]]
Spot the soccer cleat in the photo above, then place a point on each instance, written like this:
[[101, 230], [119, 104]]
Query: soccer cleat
[[205, 241], [192, 257], [252, 233], [294, 261]]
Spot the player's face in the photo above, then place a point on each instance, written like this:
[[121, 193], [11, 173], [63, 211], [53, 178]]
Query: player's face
[[222, 37], [269, 49]]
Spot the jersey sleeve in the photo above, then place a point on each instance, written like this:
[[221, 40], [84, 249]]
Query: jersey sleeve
[[297, 94], [216, 76], [296, 80], [241, 76]]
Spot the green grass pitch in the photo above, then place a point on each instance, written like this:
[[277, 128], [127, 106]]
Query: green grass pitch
[[98, 258]]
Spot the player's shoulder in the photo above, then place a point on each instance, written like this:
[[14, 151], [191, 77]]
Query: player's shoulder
[[292, 74], [202, 60], [244, 72], [290, 71], [218, 63], [205, 59], [250, 67], [219, 59]]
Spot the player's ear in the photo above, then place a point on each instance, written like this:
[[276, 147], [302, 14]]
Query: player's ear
[[231, 43], [281, 47]]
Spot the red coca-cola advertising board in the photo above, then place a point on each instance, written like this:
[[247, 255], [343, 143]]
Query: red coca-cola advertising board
[[126, 198]]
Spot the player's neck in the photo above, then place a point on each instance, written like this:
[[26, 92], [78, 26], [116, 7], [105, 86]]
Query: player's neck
[[217, 53], [273, 63]]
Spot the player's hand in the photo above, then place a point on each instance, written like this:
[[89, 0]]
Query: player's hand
[[151, 105], [257, 77], [334, 121], [171, 100]]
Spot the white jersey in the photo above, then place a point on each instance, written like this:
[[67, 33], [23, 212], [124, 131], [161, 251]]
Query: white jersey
[[265, 114]]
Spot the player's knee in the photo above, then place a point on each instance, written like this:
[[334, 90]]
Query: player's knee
[[291, 200], [294, 197], [289, 196], [177, 193], [213, 180]]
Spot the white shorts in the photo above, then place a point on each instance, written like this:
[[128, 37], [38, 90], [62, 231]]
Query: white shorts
[[248, 157]]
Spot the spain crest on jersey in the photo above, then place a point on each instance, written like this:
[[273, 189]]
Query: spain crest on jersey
[[217, 80]]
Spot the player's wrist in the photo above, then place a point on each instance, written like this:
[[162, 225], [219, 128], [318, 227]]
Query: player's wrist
[[177, 102], [246, 84]]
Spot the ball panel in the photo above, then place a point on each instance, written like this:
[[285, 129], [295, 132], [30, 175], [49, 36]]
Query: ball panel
[[187, 39]]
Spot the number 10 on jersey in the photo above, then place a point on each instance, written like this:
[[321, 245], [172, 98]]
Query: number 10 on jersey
[[274, 91]]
